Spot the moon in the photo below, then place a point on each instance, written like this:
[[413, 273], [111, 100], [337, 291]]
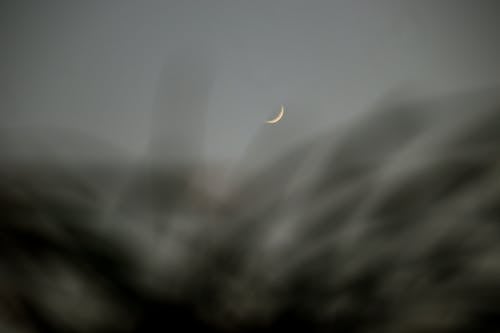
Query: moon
[[278, 118]]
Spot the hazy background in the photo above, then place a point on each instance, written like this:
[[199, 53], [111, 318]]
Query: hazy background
[[114, 71]]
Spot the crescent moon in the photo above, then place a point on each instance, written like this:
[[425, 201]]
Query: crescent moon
[[278, 118]]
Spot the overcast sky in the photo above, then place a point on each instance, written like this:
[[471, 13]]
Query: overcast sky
[[116, 70]]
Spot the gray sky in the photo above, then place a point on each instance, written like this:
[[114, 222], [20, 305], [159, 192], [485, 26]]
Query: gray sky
[[108, 68]]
